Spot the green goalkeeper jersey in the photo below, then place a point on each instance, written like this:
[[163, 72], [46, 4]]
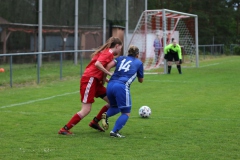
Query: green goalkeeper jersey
[[176, 48]]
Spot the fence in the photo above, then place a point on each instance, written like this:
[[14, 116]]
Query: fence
[[81, 55], [212, 49]]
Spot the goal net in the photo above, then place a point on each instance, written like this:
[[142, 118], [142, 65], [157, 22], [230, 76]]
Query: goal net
[[157, 28]]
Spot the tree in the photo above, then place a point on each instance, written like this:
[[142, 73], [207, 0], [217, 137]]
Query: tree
[[218, 19]]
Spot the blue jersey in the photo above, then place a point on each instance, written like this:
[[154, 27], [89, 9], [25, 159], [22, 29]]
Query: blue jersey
[[127, 69]]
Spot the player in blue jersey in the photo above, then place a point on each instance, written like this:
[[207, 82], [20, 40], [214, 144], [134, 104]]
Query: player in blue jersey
[[118, 88]]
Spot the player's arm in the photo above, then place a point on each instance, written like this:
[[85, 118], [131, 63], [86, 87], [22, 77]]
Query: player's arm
[[140, 74], [166, 49], [179, 52], [99, 65], [108, 67]]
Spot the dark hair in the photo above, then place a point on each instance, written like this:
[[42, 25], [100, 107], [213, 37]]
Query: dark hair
[[111, 42], [133, 51]]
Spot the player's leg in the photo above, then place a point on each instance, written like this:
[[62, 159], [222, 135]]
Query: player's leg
[[159, 55], [101, 92], [104, 108], [87, 91], [113, 106], [120, 122], [124, 104], [111, 112], [176, 58], [156, 55], [179, 68], [95, 122], [86, 108], [169, 60]]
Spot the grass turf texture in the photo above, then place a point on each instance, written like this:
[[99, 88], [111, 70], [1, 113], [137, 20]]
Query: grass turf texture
[[194, 116]]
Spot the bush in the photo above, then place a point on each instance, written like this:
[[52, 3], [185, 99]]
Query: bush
[[226, 51], [237, 50]]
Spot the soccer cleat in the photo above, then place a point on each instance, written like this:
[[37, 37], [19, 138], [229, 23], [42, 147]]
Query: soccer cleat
[[96, 126], [116, 134], [105, 121], [63, 131]]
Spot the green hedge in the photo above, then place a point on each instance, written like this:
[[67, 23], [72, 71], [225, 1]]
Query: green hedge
[[237, 50]]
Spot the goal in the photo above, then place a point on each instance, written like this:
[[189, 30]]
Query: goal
[[157, 28]]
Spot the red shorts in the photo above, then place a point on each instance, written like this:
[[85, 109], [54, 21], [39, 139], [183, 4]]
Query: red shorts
[[91, 87]]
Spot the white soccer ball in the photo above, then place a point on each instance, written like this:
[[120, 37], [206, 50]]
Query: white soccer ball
[[145, 111]]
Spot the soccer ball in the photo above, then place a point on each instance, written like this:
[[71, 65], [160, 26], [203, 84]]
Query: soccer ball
[[145, 111]]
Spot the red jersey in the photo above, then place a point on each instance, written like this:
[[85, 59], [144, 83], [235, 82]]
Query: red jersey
[[104, 57]]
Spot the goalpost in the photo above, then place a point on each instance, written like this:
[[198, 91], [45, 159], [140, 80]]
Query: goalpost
[[162, 26]]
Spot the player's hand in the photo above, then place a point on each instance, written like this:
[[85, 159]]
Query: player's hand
[[104, 81], [166, 56]]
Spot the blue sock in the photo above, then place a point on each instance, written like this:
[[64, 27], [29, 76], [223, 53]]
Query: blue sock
[[112, 111], [121, 121]]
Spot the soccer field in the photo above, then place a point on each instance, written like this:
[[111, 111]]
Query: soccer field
[[195, 115]]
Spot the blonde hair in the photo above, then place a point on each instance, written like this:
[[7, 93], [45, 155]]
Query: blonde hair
[[133, 51], [111, 42]]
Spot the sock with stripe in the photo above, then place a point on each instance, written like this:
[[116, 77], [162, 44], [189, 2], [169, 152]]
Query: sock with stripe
[[73, 121], [99, 115]]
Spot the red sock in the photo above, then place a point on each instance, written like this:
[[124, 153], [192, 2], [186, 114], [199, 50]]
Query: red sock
[[104, 109], [75, 119]]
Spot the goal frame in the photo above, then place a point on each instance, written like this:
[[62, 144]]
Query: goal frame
[[164, 29]]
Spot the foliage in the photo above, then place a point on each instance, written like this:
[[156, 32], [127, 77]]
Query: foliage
[[219, 20], [26, 74], [237, 50]]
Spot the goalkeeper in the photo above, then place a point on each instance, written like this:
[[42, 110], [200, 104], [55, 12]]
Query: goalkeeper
[[173, 52]]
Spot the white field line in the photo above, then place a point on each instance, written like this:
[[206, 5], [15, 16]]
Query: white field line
[[214, 64], [47, 98], [37, 100], [184, 118], [172, 81], [152, 73], [185, 82]]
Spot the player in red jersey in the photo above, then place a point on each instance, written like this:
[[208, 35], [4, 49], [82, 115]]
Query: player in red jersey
[[92, 84]]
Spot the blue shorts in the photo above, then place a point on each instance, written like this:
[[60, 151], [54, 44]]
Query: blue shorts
[[119, 96]]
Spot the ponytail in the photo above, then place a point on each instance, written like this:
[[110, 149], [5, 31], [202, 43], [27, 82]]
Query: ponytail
[[111, 42]]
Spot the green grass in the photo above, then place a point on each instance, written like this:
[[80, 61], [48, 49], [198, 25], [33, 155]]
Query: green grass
[[25, 74], [194, 116]]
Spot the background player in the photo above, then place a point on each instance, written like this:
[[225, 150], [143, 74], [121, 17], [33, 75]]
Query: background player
[[157, 48]]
